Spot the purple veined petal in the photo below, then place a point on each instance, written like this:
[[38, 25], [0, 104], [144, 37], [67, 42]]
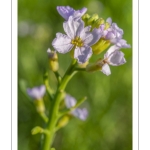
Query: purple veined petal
[[92, 37], [122, 43], [119, 31], [109, 20], [116, 58], [70, 101], [110, 51], [79, 13], [110, 35], [83, 11], [82, 54], [71, 27], [65, 11], [62, 43], [106, 69], [36, 92], [80, 113], [80, 28], [85, 32]]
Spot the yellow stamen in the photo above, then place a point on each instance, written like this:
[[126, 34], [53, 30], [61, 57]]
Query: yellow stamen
[[77, 42]]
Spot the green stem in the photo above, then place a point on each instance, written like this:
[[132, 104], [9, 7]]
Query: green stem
[[54, 110], [58, 76]]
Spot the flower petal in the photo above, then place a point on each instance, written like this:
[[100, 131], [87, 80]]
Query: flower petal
[[91, 38], [79, 13], [106, 69], [122, 43], [65, 11], [117, 58], [82, 54], [62, 43], [109, 20], [36, 92], [70, 101], [80, 113], [80, 28], [110, 51], [119, 31], [72, 27]]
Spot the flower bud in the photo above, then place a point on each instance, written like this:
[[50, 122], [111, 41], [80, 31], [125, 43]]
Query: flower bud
[[100, 46], [99, 22], [37, 130], [63, 121], [107, 25], [39, 104], [53, 60], [85, 18], [92, 19]]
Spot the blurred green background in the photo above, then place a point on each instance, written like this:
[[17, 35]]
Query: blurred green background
[[109, 124]]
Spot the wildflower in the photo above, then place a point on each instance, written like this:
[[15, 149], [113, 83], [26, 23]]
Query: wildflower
[[78, 37], [114, 34], [66, 12], [37, 92], [112, 57], [78, 112]]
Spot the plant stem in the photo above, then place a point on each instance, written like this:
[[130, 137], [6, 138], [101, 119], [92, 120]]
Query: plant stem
[[54, 110]]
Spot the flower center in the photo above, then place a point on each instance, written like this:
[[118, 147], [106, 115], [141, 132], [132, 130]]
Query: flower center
[[77, 42]]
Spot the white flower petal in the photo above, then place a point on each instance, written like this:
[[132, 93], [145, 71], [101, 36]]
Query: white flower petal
[[80, 113], [70, 101], [82, 54], [106, 69], [62, 43], [109, 20], [80, 28], [122, 43], [110, 51], [37, 92], [65, 11], [71, 27], [117, 58], [91, 38]]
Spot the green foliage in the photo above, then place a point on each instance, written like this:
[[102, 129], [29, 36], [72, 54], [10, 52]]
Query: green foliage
[[109, 98]]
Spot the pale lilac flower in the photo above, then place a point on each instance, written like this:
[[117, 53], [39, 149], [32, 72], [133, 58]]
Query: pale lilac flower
[[66, 12], [36, 92], [78, 112], [114, 34], [112, 57], [78, 37]]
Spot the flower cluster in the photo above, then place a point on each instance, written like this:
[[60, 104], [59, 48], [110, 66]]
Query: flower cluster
[[85, 41]]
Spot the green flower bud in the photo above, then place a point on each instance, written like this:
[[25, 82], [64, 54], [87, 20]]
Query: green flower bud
[[100, 46], [99, 22], [36, 130], [63, 121], [92, 19], [39, 104], [107, 25], [53, 60], [85, 19]]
